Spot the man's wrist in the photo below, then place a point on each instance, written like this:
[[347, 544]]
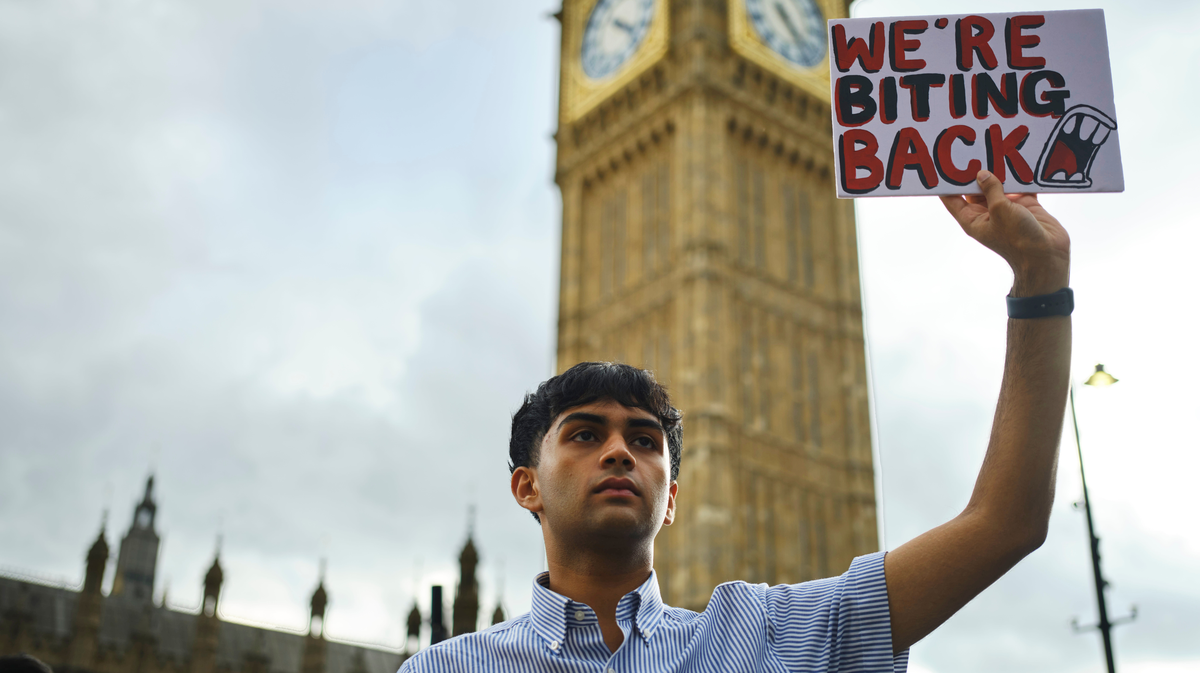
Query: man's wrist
[[1031, 283]]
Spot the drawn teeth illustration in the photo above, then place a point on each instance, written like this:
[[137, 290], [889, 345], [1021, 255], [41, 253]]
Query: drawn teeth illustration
[[1066, 160], [1087, 127]]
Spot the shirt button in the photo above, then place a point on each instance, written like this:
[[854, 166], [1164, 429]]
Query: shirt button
[[579, 615], [612, 670], [554, 645]]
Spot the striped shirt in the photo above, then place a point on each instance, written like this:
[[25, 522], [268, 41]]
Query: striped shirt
[[835, 624]]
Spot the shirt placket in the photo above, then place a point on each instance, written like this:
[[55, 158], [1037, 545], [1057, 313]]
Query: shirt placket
[[617, 661], [583, 641], [586, 639]]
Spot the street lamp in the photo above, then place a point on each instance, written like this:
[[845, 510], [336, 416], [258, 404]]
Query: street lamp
[[1099, 378]]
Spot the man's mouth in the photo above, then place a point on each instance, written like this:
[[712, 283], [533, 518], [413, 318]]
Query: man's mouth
[[1066, 160], [617, 486]]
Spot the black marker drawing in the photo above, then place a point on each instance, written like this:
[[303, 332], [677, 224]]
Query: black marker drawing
[[1066, 160]]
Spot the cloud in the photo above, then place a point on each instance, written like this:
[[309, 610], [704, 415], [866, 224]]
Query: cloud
[[201, 275]]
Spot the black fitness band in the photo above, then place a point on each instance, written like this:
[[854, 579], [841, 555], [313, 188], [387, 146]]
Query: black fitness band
[[1043, 305]]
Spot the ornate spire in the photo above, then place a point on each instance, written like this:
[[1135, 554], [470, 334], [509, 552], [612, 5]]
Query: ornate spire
[[97, 560], [138, 556], [212, 584], [320, 600], [468, 561], [414, 622], [313, 659], [466, 599], [143, 514]]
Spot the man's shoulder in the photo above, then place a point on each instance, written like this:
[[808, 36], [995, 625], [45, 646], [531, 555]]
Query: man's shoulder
[[467, 652], [736, 591], [736, 597]]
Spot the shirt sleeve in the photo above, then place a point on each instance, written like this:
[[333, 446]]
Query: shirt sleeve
[[837, 624]]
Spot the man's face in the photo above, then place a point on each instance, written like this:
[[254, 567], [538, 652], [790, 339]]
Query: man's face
[[603, 473]]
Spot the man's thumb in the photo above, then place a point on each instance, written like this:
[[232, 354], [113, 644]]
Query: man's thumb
[[993, 189]]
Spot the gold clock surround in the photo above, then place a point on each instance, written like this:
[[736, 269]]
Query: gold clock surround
[[745, 40], [581, 93]]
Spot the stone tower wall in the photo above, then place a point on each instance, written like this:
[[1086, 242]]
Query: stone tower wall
[[702, 240]]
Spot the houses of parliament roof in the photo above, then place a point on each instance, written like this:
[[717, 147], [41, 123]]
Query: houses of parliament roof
[[80, 629]]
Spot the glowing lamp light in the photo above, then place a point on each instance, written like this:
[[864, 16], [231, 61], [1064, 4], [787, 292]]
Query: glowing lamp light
[[1100, 378]]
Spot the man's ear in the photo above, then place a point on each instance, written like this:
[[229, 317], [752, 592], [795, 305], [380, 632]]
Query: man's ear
[[670, 517], [525, 489]]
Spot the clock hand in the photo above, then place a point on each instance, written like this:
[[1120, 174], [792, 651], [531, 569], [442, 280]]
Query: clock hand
[[623, 26], [787, 20]]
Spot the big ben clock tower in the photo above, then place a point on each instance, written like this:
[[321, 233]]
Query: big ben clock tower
[[702, 240]]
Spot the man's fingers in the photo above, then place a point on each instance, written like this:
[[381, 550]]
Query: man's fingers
[[955, 204], [959, 208]]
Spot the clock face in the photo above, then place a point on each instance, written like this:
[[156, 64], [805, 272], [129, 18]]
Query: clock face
[[614, 31], [794, 29]]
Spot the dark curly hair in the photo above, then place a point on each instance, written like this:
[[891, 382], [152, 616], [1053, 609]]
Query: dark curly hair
[[585, 383]]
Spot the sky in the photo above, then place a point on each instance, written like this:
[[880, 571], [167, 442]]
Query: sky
[[299, 260]]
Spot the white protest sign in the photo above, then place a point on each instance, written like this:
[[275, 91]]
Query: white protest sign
[[922, 103]]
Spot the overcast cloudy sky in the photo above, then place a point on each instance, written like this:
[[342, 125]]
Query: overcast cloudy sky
[[299, 259]]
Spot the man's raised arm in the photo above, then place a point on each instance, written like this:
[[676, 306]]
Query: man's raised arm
[[930, 577]]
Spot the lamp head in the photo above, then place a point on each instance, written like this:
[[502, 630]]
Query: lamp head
[[1100, 378]]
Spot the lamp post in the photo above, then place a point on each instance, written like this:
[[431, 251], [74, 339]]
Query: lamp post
[[1099, 378]]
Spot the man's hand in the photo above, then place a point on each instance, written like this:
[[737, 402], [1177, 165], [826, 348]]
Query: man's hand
[[1016, 227], [930, 577]]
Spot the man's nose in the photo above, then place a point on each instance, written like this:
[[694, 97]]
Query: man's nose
[[617, 451]]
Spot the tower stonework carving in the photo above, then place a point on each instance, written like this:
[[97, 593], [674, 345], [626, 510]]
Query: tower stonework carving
[[702, 240]]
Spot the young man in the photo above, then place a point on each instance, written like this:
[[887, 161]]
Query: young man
[[595, 453]]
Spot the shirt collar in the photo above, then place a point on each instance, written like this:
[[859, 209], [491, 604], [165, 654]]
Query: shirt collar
[[548, 614]]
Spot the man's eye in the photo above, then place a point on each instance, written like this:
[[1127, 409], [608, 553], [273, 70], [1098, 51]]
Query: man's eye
[[586, 436], [646, 442]]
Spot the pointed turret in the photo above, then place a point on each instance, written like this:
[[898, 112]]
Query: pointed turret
[[313, 660], [466, 599], [204, 643], [212, 586], [82, 648], [316, 618], [413, 640], [97, 561]]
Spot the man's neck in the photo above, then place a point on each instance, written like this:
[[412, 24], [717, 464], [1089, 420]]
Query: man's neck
[[599, 579]]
